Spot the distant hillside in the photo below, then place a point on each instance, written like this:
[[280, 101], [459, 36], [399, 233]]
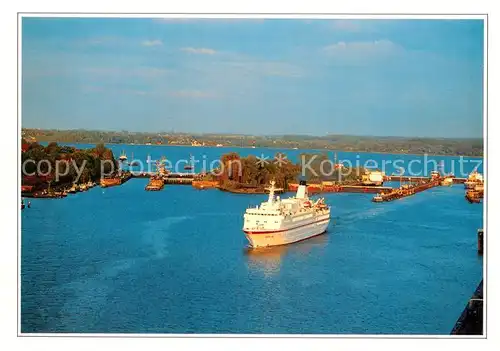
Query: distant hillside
[[437, 146]]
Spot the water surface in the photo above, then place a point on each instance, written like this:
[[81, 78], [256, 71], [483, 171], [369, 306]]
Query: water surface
[[124, 260]]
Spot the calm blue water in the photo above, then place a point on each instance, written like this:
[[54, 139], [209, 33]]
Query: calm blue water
[[126, 260]]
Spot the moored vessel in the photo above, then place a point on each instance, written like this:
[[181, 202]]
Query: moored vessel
[[280, 222], [123, 156], [378, 198], [473, 196], [189, 166], [156, 183], [447, 181], [475, 178]]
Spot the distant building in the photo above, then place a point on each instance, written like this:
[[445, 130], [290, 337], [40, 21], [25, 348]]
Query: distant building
[[373, 178]]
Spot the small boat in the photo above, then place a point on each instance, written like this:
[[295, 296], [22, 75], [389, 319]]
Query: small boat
[[123, 156], [473, 196], [189, 166], [22, 205], [83, 187], [73, 189], [378, 198], [448, 181], [435, 174]]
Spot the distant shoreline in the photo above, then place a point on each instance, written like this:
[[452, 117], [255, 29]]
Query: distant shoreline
[[271, 148]]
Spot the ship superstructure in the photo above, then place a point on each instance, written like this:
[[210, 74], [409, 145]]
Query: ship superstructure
[[284, 221]]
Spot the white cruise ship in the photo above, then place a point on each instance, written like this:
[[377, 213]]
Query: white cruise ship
[[280, 222]]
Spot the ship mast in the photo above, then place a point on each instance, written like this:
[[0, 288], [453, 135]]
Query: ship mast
[[271, 192]]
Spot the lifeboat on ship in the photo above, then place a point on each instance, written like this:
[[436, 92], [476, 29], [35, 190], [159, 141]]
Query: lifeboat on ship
[[321, 206]]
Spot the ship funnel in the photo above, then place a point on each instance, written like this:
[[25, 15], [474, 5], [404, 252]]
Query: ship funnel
[[302, 190]]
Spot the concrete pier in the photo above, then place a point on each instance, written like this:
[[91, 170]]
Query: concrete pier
[[470, 321], [480, 241]]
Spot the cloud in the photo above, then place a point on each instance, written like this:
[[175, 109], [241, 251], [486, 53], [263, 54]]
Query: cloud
[[155, 93], [362, 49], [207, 19], [136, 92], [193, 94], [155, 42], [268, 68], [199, 51], [347, 25], [101, 40], [140, 72], [150, 72]]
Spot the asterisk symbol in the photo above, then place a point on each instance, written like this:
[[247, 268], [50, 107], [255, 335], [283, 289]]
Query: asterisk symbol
[[262, 160], [280, 159]]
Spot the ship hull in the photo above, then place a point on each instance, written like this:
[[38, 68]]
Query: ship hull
[[287, 235]]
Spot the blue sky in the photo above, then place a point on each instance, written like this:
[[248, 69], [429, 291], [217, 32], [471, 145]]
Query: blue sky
[[361, 77]]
